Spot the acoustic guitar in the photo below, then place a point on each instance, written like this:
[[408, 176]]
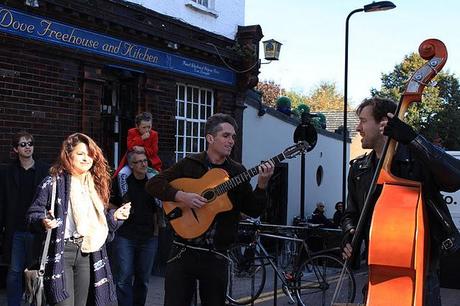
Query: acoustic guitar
[[190, 223]]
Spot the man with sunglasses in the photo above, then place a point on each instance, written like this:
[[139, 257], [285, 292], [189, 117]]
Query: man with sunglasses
[[17, 188], [135, 245]]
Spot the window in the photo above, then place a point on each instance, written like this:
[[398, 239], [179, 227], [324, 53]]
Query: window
[[193, 106], [206, 7], [204, 3], [319, 175]]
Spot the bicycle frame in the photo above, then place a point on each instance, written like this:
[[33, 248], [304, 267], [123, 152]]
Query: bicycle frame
[[290, 288]]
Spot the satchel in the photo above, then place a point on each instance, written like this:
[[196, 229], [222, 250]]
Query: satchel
[[33, 277]]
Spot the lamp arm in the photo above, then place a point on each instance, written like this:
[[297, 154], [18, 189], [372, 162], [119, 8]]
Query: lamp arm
[[345, 110]]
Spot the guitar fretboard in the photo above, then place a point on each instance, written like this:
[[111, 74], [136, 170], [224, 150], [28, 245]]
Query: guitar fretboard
[[244, 176]]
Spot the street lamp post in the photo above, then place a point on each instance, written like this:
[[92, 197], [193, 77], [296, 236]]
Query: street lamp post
[[372, 7]]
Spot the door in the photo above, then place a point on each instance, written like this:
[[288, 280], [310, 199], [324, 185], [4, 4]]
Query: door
[[117, 113]]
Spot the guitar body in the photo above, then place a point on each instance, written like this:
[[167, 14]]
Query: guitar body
[[194, 222], [397, 248]]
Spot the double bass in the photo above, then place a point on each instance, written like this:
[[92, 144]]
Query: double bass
[[398, 237]]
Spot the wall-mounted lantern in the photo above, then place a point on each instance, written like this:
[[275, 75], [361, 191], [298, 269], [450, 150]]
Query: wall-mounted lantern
[[272, 49]]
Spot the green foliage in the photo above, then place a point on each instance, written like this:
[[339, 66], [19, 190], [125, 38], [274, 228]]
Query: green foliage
[[303, 108], [296, 113], [322, 120], [439, 111], [283, 102]]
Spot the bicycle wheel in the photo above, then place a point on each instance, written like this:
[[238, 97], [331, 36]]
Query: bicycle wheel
[[317, 278], [246, 274]]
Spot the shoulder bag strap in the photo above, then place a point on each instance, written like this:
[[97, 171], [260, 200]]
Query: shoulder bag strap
[[48, 232]]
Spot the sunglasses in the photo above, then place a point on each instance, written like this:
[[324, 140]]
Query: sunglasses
[[26, 143], [140, 161]]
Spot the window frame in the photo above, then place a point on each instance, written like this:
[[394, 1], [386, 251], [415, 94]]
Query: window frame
[[194, 104]]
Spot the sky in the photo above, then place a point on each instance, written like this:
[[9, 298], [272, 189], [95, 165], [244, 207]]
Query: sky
[[313, 38]]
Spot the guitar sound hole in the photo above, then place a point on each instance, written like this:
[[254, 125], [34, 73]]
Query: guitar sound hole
[[208, 195]]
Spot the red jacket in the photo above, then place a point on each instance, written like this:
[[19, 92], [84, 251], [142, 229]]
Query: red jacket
[[150, 145]]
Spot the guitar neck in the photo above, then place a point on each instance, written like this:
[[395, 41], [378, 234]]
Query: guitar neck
[[244, 176]]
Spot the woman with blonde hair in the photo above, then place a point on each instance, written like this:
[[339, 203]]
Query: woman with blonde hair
[[77, 270]]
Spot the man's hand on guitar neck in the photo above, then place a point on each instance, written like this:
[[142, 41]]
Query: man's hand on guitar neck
[[189, 199], [266, 170]]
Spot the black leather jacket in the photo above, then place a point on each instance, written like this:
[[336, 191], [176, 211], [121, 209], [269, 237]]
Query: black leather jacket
[[419, 161]]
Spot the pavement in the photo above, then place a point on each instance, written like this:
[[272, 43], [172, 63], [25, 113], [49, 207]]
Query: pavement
[[450, 297]]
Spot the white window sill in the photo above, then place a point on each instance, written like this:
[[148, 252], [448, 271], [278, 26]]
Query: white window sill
[[202, 9]]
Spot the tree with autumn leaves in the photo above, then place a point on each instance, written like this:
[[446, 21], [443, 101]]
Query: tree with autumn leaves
[[324, 97], [438, 114]]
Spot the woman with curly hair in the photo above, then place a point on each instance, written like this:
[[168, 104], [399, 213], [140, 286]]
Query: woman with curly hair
[[77, 271]]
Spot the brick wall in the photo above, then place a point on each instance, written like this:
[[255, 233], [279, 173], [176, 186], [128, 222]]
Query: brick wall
[[39, 93], [51, 95], [160, 100]]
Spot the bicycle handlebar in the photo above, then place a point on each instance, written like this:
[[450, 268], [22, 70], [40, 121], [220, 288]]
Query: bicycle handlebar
[[258, 223]]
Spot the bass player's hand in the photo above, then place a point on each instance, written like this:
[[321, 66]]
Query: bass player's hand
[[347, 250], [190, 199]]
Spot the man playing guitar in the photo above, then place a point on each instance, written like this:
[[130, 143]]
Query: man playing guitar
[[198, 258]]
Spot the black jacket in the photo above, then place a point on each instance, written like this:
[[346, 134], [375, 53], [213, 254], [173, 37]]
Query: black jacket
[[419, 161], [9, 190], [243, 198], [141, 221], [318, 217]]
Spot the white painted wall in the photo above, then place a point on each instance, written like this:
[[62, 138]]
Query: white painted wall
[[267, 136], [223, 18]]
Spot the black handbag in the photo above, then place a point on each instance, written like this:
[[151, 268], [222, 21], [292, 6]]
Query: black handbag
[[33, 278]]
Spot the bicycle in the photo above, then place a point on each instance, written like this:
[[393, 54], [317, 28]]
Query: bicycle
[[312, 277]]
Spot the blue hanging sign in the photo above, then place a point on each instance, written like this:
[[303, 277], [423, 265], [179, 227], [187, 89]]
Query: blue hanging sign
[[37, 28]]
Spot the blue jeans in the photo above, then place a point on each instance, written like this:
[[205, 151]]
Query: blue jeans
[[133, 257], [21, 251]]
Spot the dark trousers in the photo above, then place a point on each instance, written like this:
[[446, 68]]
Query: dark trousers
[[209, 269], [77, 275], [432, 283]]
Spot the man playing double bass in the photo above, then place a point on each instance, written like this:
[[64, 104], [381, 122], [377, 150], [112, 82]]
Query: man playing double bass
[[198, 258], [416, 159]]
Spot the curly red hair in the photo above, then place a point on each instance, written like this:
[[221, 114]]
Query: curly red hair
[[99, 170]]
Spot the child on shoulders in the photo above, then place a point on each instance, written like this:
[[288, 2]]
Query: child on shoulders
[[140, 138]]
